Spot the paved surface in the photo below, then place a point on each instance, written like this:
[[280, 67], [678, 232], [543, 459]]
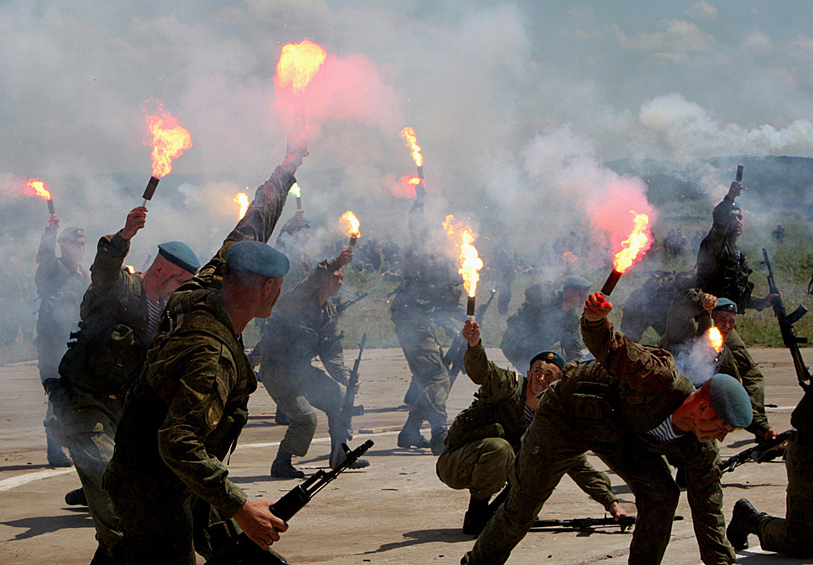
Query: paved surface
[[396, 511]]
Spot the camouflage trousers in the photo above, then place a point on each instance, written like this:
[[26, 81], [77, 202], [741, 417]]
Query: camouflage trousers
[[297, 391], [89, 426], [553, 444], [422, 353], [793, 535], [481, 466]]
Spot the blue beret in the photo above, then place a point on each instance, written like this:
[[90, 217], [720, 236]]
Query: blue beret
[[179, 253], [577, 283], [71, 233], [258, 258], [730, 401], [549, 357], [726, 305]]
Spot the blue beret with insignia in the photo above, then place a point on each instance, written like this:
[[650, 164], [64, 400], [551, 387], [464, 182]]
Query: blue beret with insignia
[[179, 253], [258, 258], [71, 233], [726, 305], [577, 283], [549, 357], [730, 401]]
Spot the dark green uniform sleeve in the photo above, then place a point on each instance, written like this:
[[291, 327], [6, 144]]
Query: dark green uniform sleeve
[[495, 383], [594, 483], [309, 287], [110, 253], [46, 262], [570, 336], [754, 384], [681, 322], [258, 223], [195, 415]]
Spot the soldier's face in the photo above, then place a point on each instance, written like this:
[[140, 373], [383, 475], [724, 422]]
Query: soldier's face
[[736, 223], [334, 283], [270, 294], [542, 375], [172, 276], [707, 425], [724, 321], [73, 250]]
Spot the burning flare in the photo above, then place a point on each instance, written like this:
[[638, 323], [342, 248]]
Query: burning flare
[[298, 62], [39, 189], [635, 245], [169, 140], [352, 224], [716, 339], [295, 190], [241, 198], [412, 142], [470, 263]]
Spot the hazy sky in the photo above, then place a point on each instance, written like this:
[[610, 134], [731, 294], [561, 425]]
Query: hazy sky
[[503, 97]]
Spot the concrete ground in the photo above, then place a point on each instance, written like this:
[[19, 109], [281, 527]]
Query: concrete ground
[[396, 511]]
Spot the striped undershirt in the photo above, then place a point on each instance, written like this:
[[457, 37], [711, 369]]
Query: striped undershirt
[[529, 414], [665, 432], [154, 314]]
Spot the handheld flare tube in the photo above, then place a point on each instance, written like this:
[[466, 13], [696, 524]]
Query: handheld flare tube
[[353, 239], [298, 202], [150, 190], [610, 283], [50, 207], [420, 172], [470, 307], [739, 173]]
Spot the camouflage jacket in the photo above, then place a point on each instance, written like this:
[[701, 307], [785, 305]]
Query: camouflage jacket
[[193, 393], [301, 329], [113, 338], [60, 291]]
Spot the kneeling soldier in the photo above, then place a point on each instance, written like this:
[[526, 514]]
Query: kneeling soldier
[[484, 439]]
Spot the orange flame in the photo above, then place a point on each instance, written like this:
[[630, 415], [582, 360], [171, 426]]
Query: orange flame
[[412, 142], [39, 189], [241, 198], [716, 339], [169, 140], [634, 245], [298, 62], [352, 224], [470, 263], [570, 258], [414, 181]]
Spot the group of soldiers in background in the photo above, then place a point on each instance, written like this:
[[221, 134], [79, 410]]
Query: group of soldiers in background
[[135, 335]]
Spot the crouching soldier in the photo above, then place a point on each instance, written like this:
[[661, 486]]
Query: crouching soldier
[[485, 438]]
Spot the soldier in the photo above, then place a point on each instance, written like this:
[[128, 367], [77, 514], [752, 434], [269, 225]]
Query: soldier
[[428, 297], [304, 326], [544, 320], [792, 535], [631, 407], [484, 439], [167, 480], [61, 282], [119, 316], [691, 315]]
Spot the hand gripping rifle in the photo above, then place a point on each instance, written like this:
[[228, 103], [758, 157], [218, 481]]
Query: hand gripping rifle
[[765, 451], [786, 321], [457, 350], [349, 400], [243, 551], [624, 522]]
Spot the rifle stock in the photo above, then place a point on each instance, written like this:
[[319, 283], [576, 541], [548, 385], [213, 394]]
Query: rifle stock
[[623, 522], [789, 337]]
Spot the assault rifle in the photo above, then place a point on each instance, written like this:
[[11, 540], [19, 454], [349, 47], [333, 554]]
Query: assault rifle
[[624, 522], [786, 321], [342, 306], [243, 551], [349, 400], [765, 451], [457, 350]]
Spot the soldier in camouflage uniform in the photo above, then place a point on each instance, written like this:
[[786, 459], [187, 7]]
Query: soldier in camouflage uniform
[[792, 535], [690, 318], [304, 326], [484, 439], [427, 298], [119, 315], [61, 282], [546, 319], [631, 407], [167, 480]]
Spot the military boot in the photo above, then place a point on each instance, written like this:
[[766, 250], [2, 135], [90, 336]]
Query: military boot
[[76, 497], [477, 516], [338, 456], [282, 468], [410, 435], [744, 520], [436, 443]]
